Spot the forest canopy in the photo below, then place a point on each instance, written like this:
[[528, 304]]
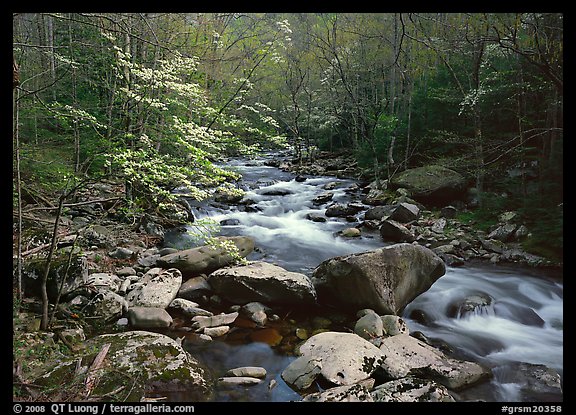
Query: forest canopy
[[157, 99]]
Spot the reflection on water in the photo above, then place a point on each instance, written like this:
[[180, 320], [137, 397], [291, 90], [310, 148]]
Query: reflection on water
[[220, 357]]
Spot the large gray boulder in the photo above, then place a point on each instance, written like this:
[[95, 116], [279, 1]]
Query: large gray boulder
[[406, 355], [206, 259], [385, 279], [341, 358], [150, 363], [436, 185], [157, 289], [262, 282]]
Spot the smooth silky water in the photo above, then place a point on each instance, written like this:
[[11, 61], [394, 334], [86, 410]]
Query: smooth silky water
[[523, 321]]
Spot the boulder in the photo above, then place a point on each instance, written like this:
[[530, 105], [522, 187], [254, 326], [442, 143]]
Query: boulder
[[438, 226], [188, 308], [323, 198], [340, 358], [256, 312], [200, 322], [359, 392], [405, 355], [103, 281], [385, 279], [394, 325], [206, 259], [216, 331], [107, 306], [262, 282], [194, 289], [369, 326], [121, 253], [448, 212], [250, 371], [351, 233], [405, 212], [150, 363], [340, 210], [33, 272], [238, 381], [315, 217], [393, 231], [148, 317], [377, 197], [378, 212], [159, 287], [518, 312], [503, 233], [536, 383], [431, 185], [473, 304], [411, 389]]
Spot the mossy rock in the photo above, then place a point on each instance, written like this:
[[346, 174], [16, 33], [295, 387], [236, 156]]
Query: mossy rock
[[434, 185], [34, 271], [149, 363]]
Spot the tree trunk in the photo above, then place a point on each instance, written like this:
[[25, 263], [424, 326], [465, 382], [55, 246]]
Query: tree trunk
[[16, 110], [408, 126], [43, 288], [75, 102], [50, 43]]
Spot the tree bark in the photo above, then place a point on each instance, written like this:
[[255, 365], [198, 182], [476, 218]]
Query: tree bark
[[43, 284]]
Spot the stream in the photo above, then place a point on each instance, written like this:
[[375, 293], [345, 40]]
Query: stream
[[521, 319]]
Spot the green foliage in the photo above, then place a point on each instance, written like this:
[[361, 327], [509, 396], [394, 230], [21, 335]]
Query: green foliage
[[385, 127], [546, 226], [48, 166], [484, 218]]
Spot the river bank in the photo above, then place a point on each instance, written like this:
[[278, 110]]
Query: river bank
[[276, 214]]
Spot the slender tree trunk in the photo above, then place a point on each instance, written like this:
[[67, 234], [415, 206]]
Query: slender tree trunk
[[479, 156], [390, 159], [16, 110], [519, 116], [43, 284], [408, 126], [50, 43], [75, 101]]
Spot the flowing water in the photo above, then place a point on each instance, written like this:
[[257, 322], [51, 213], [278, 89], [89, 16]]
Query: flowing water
[[516, 313]]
